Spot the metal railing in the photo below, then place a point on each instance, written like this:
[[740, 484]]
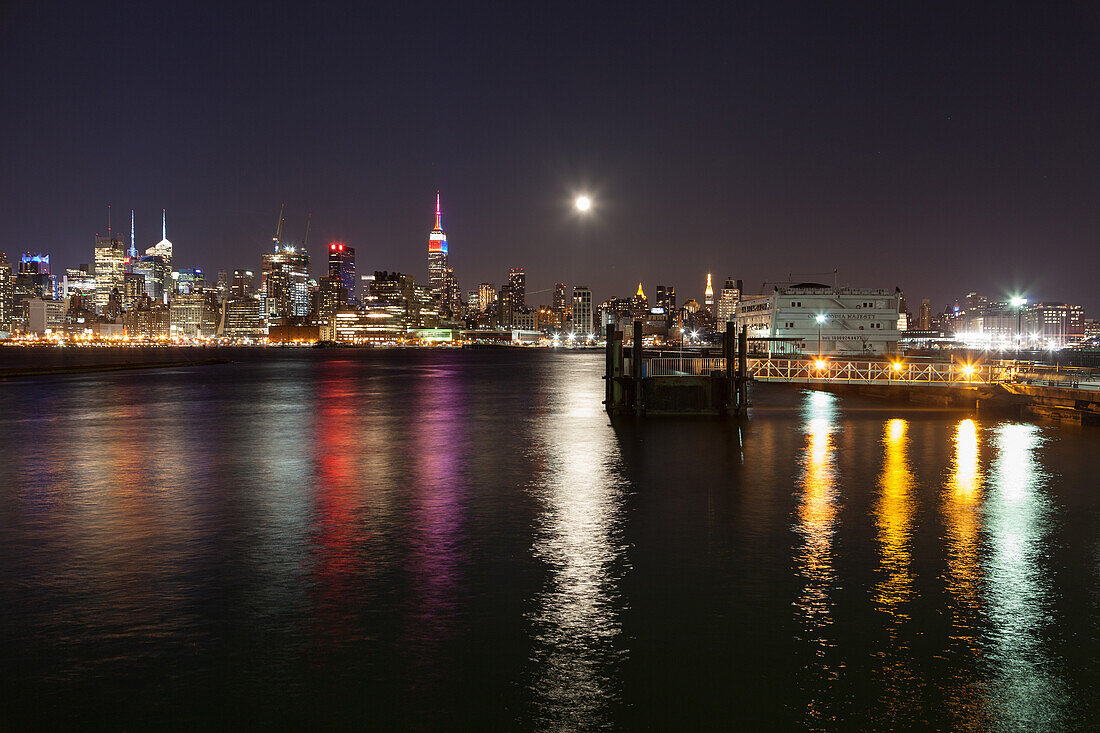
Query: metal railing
[[873, 372], [876, 372], [680, 367]]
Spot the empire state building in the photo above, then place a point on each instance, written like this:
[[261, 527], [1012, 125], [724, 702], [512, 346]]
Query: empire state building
[[440, 276]]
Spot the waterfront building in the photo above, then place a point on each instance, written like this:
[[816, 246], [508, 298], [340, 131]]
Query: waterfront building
[[1053, 325], [341, 265], [582, 311], [242, 318], [727, 302], [438, 284], [560, 303], [1092, 329], [163, 248], [819, 318], [525, 320], [44, 315], [192, 315], [110, 266], [150, 320]]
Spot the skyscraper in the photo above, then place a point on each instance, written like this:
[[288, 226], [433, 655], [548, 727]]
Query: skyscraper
[[708, 295], [582, 311], [727, 302], [7, 293], [110, 266], [243, 283], [292, 296], [163, 248], [156, 274], [559, 297], [341, 265], [517, 284], [438, 284], [487, 295]]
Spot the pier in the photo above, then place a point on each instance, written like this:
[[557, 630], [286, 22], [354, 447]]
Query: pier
[[718, 386]]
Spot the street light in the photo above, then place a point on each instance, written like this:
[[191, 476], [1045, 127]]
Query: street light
[[1018, 303], [820, 320]]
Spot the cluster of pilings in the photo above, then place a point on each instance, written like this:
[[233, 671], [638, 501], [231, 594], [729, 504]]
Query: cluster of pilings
[[722, 392]]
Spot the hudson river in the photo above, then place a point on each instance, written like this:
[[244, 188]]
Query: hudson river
[[461, 539]]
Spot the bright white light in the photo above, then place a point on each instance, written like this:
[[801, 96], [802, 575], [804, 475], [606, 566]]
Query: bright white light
[[591, 336], [820, 318], [1018, 302], [584, 203]]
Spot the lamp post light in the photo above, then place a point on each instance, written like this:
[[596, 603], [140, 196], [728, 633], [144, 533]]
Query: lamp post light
[[1018, 303], [820, 320]]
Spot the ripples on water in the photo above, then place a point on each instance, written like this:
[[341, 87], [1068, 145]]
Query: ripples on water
[[459, 539]]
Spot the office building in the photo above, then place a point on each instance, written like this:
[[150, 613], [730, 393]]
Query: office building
[[517, 286], [293, 283], [242, 285], [582, 311], [341, 265], [163, 248], [155, 273], [727, 302], [110, 266], [7, 293]]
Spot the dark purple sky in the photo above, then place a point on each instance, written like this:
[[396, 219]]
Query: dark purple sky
[[940, 147]]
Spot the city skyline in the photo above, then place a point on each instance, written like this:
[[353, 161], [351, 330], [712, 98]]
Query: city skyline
[[923, 148], [546, 282]]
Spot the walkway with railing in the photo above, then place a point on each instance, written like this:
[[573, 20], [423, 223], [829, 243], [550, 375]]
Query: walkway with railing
[[840, 371]]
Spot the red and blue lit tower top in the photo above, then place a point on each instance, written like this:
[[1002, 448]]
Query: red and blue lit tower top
[[437, 240]]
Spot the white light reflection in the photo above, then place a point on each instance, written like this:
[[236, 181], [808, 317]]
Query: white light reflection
[[576, 617], [814, 562], [1028, 696]]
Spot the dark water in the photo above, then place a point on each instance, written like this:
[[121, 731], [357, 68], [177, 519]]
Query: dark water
[[461, 539]]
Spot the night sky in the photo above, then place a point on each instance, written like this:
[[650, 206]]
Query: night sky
[[941, 148]]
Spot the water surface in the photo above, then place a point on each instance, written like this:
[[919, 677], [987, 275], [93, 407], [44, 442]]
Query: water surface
[[462, 538]]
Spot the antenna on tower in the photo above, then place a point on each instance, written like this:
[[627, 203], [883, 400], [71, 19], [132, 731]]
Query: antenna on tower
[[305, 241], [163, 224], [108, 221], [133, 249], [279, 228]]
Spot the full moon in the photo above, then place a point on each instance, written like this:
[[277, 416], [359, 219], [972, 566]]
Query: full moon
[[584, 203]]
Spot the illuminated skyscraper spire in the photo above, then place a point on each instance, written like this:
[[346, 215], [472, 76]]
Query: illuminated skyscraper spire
[[164, 226], [641, 293], [440, 278], [708, 294], [133, 249]]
